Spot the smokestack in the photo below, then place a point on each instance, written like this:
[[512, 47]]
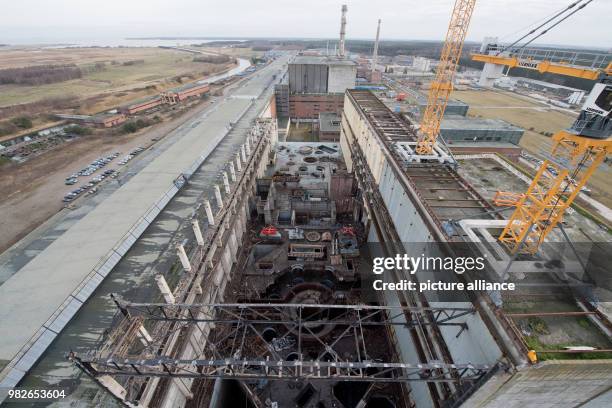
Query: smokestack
[[342, 31], [375, 53]]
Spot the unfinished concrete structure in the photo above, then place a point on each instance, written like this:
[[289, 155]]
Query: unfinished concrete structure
[[273, 309]]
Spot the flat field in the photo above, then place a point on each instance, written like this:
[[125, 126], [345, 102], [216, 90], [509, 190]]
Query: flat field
[[148, 71], [534, 117]]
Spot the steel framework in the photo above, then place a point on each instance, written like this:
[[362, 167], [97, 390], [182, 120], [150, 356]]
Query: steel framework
[[239, 344], [552, 190], [561, 62], [442, 85]]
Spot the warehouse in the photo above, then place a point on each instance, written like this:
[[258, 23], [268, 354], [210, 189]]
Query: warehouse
[[456, 128], [184, 92], [141, 105]]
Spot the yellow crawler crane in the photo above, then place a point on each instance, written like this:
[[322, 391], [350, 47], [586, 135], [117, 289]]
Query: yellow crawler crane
[[442, 85], [552, 190], [576, 154]]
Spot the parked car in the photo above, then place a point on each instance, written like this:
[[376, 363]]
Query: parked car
[[70, 182]]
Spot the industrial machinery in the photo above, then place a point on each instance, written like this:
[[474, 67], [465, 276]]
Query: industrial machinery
[[576, 152], [442, 85]]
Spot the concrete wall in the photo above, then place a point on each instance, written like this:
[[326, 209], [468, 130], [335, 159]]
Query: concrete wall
[[308, 106], [475, 345], [341, 78], [549, 385], [308, 78], [487, 135]]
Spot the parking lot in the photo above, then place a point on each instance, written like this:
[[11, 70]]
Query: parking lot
[[96, 168]]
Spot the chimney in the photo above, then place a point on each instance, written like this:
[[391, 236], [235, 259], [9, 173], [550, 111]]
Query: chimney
[[375, 53], [342, 31]]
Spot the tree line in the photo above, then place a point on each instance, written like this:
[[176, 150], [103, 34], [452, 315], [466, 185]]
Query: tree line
[[39, 74], [213, 59]]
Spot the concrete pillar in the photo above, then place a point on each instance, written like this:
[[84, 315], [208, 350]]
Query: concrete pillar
[[238, 163], [243, 153], [209, 213], [232, 172], [226, 183], [197, 232], [489, 73], [196, 346], [144, 336], [165, 289], [180, 384], [180, 250], [233, 244], [112, 386], [218, 196], [247, 148]]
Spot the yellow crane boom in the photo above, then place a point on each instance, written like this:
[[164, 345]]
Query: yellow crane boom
[[580, 150], [442, 85], [543, 66]]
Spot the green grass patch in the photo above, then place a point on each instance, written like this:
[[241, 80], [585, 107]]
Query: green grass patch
[[533, 343]]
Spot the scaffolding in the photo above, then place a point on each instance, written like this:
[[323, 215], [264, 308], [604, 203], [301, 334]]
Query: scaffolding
[[250, 341]]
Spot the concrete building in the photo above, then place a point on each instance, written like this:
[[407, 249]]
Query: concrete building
[[274, 303], [329, 127], [309, 106], [314, 84], [421, 64], [184, 92], [457, 128], [142, 105], [413, 204], [104, 120], [321, 74], [281, 97]]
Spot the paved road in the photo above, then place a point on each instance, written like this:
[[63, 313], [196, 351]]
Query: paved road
[[132, 277]]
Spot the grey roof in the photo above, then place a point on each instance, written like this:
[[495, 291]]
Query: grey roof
[[481, 143], [326, 120], [462, 122], [321, 60]]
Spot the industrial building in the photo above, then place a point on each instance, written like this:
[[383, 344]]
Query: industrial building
[[314, 84], [141, 105], [277, 280], [184, 92], [308, 106], [573, 96], [457, 128], [104, 120], [321, 74], [169, 97], [329, 127], [275, 288]]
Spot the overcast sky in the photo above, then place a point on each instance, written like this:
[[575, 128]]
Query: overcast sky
[[65, 20]]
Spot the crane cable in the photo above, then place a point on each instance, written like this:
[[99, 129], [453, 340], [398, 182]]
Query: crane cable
[[554, 16], [554, 25]]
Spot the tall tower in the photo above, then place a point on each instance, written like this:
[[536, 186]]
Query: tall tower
[[375, 53], [342, 31]]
